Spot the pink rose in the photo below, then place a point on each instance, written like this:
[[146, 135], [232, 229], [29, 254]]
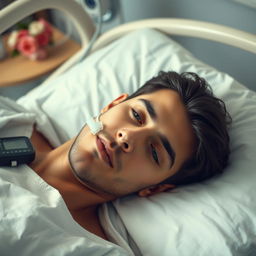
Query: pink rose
[[14, 38], [43, 39], [27, 45], [22, 33], [32, 42], [47, 26]]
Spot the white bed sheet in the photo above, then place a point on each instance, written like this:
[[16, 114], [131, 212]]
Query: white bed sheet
[[216, 217]]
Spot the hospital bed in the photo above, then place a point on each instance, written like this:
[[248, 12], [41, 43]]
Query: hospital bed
[[215, 217]]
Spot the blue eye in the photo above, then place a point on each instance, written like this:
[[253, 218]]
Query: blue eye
[[154, 154], [136, 116]]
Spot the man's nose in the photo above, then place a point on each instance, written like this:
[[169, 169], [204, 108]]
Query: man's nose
[[127, 139]]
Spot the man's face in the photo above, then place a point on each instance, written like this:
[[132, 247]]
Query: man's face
[[144, 141]]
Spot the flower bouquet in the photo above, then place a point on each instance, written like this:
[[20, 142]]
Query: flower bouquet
[[31, 40]]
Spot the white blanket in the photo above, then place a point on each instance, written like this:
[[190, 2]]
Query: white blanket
[[34, 218]]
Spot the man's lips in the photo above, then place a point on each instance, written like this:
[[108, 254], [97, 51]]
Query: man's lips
[[105, 154]]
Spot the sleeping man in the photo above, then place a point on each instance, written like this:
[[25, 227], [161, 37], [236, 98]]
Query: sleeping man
[[171, 132]]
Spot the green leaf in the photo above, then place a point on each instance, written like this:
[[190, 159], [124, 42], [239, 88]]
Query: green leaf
[[21, 26], [15, 53]]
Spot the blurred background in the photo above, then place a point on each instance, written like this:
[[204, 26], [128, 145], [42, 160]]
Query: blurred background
[[239, 14]]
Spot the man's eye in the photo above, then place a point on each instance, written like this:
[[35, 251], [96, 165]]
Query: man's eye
[[137, 116], [154, 154]]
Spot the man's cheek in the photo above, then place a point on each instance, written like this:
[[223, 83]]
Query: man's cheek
[[136, 162], [114, 118]]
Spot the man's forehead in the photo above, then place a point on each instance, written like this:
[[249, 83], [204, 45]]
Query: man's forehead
[[163, 98], [160, 92]]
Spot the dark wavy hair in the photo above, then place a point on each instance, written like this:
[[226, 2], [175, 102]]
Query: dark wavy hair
[[209, 119]]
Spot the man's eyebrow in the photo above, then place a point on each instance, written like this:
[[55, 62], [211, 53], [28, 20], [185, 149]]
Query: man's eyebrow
[[150, 108], [168, 148], [152, 113]]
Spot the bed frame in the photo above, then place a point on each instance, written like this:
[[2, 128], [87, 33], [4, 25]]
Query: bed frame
[[85, 27]]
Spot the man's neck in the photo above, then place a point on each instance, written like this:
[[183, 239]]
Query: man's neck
[[53, 166]]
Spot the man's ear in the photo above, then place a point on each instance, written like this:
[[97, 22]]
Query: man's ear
[[155, 189], [118, 100]]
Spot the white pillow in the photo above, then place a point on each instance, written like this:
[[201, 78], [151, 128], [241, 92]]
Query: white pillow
[[216, 217]]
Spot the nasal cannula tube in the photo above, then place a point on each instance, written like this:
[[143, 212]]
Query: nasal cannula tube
[[94, 124]]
